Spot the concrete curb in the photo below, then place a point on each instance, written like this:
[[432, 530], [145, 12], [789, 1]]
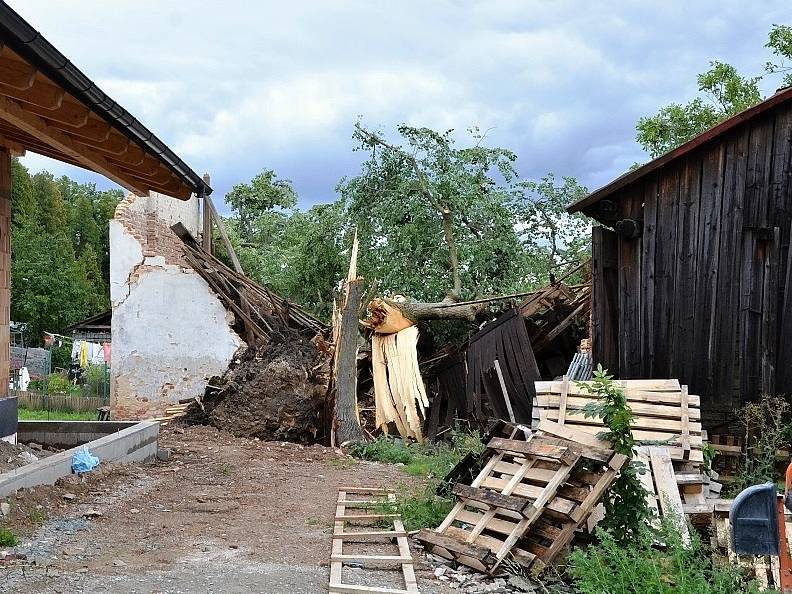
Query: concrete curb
[[137, 443]]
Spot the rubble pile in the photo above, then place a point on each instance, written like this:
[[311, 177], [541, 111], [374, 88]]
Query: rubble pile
[[275, 392], [15, 456]]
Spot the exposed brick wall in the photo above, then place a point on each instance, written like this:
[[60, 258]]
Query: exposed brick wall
[[153, 234]]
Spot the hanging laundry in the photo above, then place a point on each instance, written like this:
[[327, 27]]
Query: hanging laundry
[[107, 348], [83, 355], [24, 379]]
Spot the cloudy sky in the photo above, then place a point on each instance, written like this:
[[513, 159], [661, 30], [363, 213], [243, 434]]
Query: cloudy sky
[[237, 86]]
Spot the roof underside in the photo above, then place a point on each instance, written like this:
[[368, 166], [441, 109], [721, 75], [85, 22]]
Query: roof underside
[[49, 107], [631, 177]]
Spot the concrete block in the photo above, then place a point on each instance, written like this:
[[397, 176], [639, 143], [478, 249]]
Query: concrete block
[[137, 443]]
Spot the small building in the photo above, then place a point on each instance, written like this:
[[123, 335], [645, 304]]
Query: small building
[[94, 329], [692, 266]]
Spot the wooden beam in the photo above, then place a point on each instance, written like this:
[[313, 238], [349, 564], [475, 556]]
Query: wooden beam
[[5, 270], [224, 234], [18, 75], [206, 233], [14, 114], [42, 94]]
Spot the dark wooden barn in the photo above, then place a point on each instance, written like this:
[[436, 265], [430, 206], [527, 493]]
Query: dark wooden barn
[[692, 266]]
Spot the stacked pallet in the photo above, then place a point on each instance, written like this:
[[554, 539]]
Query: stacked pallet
[[528, 501], [667, 420]]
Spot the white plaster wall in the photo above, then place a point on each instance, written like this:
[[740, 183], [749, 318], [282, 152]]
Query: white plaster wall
[[125, 254], [171, 210], [170, 336], [171, 333]]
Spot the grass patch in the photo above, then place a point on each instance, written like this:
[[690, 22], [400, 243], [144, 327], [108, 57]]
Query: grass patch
[[25, 414], [342, 462], [639, 566], [8, 538], [228, 469], [420, 507]]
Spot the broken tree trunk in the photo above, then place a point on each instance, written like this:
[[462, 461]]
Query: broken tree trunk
[[387, 316], [346, 422]]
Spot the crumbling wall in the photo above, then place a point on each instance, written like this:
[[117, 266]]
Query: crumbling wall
[[170, 332]]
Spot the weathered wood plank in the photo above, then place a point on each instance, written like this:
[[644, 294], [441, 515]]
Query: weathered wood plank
[[648, 241], [605, 283], [665, 270]]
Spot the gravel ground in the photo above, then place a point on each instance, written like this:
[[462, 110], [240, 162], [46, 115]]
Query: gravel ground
[[224, 514]]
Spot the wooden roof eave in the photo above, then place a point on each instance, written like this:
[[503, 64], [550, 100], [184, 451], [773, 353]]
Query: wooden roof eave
[[38, 115]]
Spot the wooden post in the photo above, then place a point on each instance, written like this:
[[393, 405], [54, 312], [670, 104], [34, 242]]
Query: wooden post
[[206, 234], [785, 560], [5, 269], [345, 422]]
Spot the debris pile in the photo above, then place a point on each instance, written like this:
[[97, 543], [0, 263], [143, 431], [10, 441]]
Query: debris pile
[[15, 456], [276, 389], [275, 392]]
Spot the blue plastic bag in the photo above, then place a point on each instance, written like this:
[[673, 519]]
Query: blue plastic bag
[[83, 461]]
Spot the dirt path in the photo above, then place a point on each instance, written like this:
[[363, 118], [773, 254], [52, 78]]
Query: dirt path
[[223, 515]]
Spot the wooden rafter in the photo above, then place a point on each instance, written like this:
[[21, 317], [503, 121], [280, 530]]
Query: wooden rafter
[[38, 114], [13, 113]]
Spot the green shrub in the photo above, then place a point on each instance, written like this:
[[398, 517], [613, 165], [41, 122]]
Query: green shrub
[[58, 383], [8, 538], [638, 567], [766, 431], [626, 510]]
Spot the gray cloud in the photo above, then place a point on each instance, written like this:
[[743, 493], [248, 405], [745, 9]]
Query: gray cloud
[[238, 86]]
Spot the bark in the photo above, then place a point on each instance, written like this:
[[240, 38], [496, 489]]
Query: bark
[[346, 422], [386, 316]]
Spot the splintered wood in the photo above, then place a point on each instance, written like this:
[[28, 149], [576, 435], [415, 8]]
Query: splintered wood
[[664, 415], [357, 511], [399, 390], [527, 502]]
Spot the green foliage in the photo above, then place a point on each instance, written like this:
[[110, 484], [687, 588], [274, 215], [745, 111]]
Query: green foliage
[[8, 538], [58, 383], [421, 507], [725, 92], [767, 430], [626, 511], [552, 239], [60, 251], [406, 201], [636, 566], [780, 42], [398, 201]]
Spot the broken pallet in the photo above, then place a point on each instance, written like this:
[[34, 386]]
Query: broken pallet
[[526, 503]]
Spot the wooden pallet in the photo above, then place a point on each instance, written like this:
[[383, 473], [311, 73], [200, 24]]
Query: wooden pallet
[[663, 412], [660, 483], [526, 503], [364, 509]]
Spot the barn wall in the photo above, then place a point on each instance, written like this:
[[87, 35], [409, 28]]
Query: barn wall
[[704, 293]]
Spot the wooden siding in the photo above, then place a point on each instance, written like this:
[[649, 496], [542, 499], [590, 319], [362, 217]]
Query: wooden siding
[[705, 294]]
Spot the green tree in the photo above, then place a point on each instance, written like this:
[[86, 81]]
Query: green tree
[[552, 239], [257, 199], [59, 250], [725, 92], [434, 220]]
